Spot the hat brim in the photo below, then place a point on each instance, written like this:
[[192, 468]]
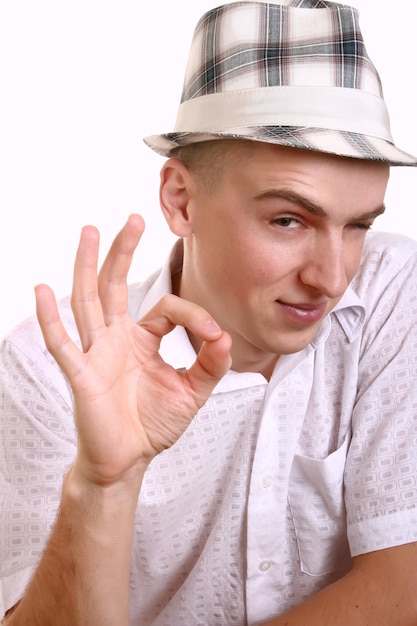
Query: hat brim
[[341, 143]]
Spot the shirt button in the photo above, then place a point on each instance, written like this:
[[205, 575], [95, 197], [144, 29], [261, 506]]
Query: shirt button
[[267, 481], [264, 566]]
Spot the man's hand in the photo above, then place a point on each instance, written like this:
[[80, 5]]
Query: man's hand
[[129, 404]]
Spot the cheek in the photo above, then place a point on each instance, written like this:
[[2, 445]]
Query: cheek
[[235, 270], [256, 271], [237, 255]]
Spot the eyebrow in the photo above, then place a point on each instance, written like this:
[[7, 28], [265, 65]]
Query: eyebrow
[[312, 207]]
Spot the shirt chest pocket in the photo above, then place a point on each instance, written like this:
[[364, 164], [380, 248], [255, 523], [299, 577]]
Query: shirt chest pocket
[[317, 509]]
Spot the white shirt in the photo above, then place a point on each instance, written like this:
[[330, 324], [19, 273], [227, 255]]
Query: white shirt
[[272, 488]]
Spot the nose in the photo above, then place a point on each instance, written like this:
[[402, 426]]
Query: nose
[[326, 267]]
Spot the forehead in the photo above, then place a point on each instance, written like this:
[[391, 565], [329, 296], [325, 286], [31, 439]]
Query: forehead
[[246, 149], [276, 160], [250, 168]]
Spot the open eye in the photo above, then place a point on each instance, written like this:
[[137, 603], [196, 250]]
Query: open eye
[[286, 222]]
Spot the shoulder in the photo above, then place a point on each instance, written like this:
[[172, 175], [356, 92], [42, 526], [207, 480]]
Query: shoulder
[[26, 337], [384, 249], [25, 362], [389, 260]]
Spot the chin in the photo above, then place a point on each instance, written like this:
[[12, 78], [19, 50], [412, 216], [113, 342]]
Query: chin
[[281, 348]]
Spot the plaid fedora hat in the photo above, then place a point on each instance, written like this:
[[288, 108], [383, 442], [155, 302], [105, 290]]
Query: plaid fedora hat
[[290, 72]]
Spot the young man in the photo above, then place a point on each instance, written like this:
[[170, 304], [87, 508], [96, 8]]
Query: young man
[[245, 452]]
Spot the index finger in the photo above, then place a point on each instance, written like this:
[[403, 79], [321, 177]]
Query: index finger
[[173, 311]]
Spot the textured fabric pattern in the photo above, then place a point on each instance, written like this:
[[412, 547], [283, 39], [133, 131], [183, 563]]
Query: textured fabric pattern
[[249, 45], [243, 49], [343, 142], [272, 488]]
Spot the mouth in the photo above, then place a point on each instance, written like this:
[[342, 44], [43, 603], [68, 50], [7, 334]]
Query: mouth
[[303, 313]]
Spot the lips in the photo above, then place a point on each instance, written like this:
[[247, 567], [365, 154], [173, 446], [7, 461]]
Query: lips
[[303, 313]]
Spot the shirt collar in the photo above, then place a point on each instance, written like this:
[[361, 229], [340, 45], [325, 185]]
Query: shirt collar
[[350, 312]]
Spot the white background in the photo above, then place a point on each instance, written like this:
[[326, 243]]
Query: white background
[[82, 82]]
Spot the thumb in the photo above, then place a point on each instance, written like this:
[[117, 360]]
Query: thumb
[[212, 363]]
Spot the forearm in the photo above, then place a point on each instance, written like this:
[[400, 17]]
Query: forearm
[[83, 576], [380, 589], [328, 608]]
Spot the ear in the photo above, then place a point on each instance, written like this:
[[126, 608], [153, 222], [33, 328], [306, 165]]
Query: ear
[[174, 196]]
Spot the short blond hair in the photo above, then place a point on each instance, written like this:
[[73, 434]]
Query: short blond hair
[[207, 159]]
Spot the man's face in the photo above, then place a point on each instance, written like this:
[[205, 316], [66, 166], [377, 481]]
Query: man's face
[[273, 250]]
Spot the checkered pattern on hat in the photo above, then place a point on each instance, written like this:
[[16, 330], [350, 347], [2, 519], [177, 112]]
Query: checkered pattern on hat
[[291, 72], [246, 45]]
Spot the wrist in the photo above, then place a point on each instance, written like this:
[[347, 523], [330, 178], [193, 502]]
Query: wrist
[[98, 501], [85, 477]]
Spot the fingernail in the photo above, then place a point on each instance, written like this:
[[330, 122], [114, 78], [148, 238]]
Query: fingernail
[[213, 326]]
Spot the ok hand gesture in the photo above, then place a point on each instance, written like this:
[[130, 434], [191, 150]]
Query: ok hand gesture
[[129, 404]]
